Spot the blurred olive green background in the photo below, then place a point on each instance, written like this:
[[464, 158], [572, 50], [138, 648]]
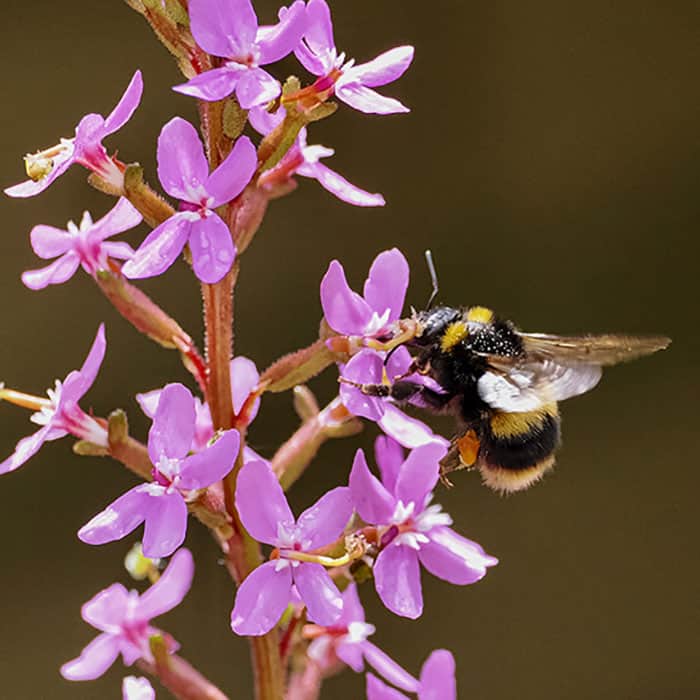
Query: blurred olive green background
[[551, 162]]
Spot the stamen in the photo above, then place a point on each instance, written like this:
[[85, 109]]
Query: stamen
[[33, 403]]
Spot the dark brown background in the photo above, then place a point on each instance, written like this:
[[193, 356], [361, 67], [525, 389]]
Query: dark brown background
[[551, 162]]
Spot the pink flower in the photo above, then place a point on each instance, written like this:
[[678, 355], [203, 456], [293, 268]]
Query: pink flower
[[351, 83], [124, 620], [184, 173], [60, 415], [229, 28], [412, 531], [134, 688], [162, 504], [84, 148], [84, 245], [265, 513], [302, 159]]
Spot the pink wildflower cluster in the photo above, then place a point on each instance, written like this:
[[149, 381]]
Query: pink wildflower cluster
[[297, 578]]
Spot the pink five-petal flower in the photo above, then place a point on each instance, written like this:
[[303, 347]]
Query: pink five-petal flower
[[184, 173], [60, 415], [229, 29], [351, 83], [140, 688], [302, 159], [265, 513], [85, 245], [162, 504], [412, 531], [123, 618], [84, 148]]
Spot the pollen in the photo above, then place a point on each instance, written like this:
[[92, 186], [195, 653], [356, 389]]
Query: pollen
[[480, 314], [468, 446], [455, 333]]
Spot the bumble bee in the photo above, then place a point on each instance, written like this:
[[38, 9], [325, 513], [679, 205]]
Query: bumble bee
[[502, 385]]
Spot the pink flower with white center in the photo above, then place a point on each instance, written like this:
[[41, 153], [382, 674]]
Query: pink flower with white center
[[162, 504], [134, 688], [267, 591], [124, 620], [302, 159], [350, 83], [84, 148], [183, 171], [83, 245], [437, 681], [229, 29], [412, 531], [60, 415]]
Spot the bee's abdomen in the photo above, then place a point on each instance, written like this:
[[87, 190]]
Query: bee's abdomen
[[518, 448]]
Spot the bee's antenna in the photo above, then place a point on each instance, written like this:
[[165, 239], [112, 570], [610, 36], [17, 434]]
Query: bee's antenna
[[433, 278]]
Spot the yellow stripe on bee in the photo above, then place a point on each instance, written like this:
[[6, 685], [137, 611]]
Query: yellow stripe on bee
[[456, 332], [480, 314], [510, 425]]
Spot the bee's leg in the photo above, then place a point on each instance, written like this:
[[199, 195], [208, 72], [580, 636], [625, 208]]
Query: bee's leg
[[403, 391], [463, 454]]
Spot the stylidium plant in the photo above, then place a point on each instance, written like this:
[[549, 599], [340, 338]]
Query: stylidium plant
[[296, 582]]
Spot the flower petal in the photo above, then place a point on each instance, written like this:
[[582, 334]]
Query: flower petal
[[337, 185], [212, 85], [319, 30], [437, 677], [244, 378], [77, 383], [352, 606], [407, 431], [118, 249], [387, 283], [59, 271], [126, 106], [385, 666], [212, 247], [397, 580], [166, 525], [225, 28], [261, 503], [229, 179], [25, 449], [119, 518], [49, 242], [263, 121], [278, 41], [107, 609], [173, 424], [134, 688], [367, 100], [261, 599], [29, 188], [350, 654], [149, 402], [346, 311], [212, 464], [324, 521], [419, 474], [256, 87], [454, 558], [371, 499], [121, 217], [182, 165], [169, 590], [94, 659], [160, 248], [383, 69], [364, 368], [389, 457], [324, 604], [378, 690]]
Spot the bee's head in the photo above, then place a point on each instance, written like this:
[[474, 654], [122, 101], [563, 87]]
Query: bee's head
[[432, 323]]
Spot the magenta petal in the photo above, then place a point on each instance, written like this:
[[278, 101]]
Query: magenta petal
[[350, 653], [224, 28], [173, 424], [383, 69], [378, 690], [397, 580], [352, 606], [324, 604], [263, 121], [107, 609], [371, 500], [169, 590], [389, 457], [367, 100], [121, 217], [437, 677], [25, 449], [407, 431], [274, 43], [49, 242], [166, 525], [182, 165], [29, 188], [77, 383], [261, 503], [244, 378], [419, 474], [229, 179], [59, 271], [212, 85], [94, 660], [126, 106], [213, 251], [149, 402], [364, 368], [319, 32], [346, 311], [256, 87], [160, 248], [119, 518], [387, 283], [386, 667], [212, 464], [338, 186], [454, 558], [118, 249], [325, 520], [261, 599]]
